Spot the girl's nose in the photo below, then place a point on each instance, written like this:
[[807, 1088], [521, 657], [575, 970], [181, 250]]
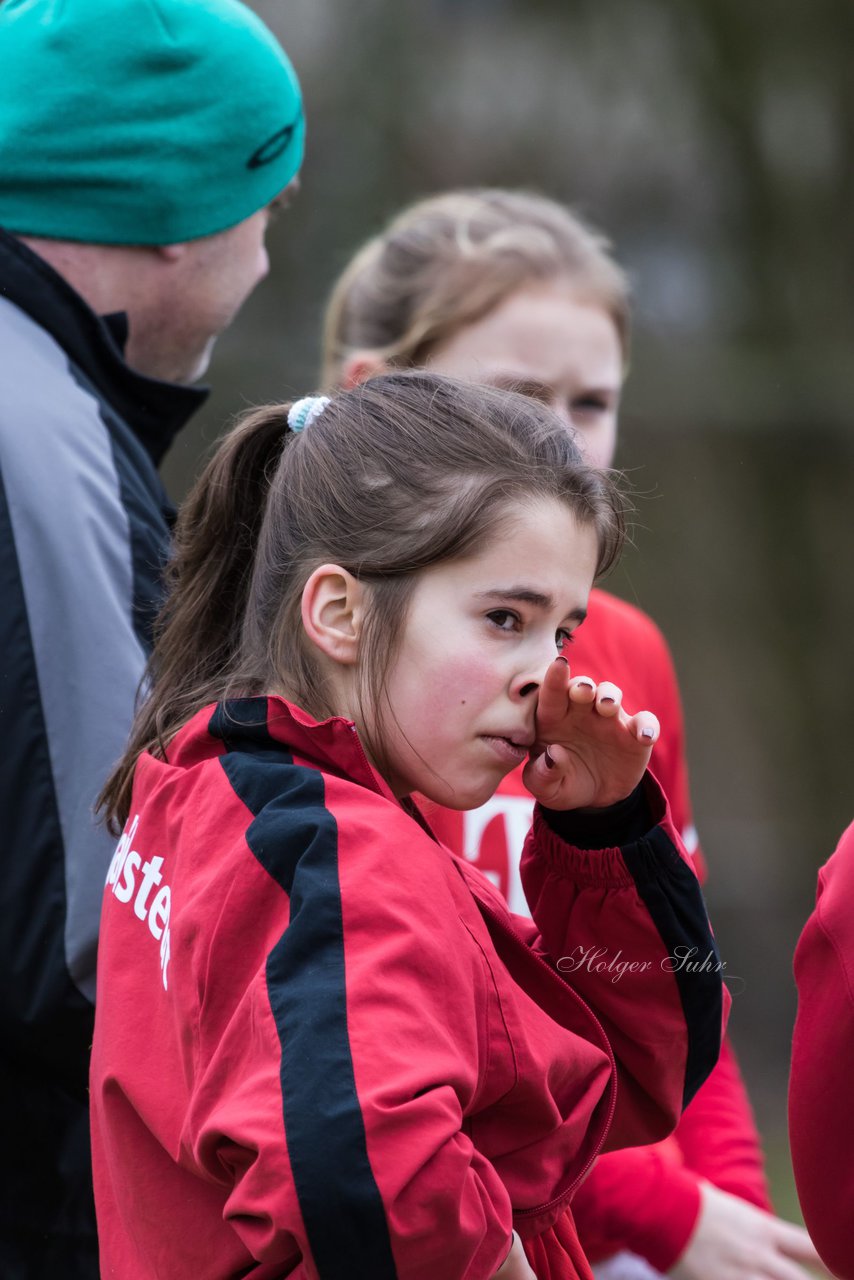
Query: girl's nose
[[534, 658], [526, 684]]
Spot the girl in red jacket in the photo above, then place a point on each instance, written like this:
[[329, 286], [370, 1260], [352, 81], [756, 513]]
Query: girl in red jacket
[[324, 1046], [511, 290]]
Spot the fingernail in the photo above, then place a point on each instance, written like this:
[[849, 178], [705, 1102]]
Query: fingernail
[[550, 764], [588, 684], [606, 701], [647, 733], [561, 658]]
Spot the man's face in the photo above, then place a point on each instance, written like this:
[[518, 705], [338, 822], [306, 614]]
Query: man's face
[[220, 272], [202, 287]]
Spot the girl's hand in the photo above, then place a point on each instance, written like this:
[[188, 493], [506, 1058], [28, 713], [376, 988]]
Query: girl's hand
[[515, 1266], [733, 1240], [589, 753]]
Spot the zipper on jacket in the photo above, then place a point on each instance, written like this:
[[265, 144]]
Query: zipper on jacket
[[612, 1106]]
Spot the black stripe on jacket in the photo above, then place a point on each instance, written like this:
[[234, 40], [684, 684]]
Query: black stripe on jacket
[[672, 895], [295, 838]]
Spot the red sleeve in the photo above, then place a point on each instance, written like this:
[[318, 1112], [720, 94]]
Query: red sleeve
[[647, 1200], [717, 1135], [821, 1116], [635, 907], [640, 1199]]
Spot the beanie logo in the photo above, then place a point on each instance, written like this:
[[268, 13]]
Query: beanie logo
[[273, 147]]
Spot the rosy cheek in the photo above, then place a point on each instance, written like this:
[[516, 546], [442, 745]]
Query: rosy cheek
[[462, 687]]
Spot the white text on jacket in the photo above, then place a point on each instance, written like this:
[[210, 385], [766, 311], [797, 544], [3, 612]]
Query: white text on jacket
[[122, 879]]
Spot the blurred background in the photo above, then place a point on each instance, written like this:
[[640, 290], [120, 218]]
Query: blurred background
[[713, 142]]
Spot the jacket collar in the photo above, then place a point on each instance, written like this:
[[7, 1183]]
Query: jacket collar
[[271, 723], [154, 410]]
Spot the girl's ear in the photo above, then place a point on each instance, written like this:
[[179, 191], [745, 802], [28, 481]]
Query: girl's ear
[[333, 611], [359, 367]]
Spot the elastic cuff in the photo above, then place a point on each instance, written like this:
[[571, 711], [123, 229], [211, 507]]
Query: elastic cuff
[[619, 824]]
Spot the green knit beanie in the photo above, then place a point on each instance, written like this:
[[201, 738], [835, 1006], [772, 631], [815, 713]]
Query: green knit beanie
[[141, 121]]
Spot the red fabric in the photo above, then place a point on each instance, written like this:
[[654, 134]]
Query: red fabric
[[481, 1082], [556, 1254], [821, 1116], [647, 1200], [717, 1135], [643, 1200]]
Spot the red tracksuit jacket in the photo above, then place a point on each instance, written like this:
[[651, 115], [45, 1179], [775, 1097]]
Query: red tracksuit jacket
[[647, 1199], [821, 1117], [325, 1048]]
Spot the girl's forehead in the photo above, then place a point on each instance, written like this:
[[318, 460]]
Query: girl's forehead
[[541, 549], [539, 330]]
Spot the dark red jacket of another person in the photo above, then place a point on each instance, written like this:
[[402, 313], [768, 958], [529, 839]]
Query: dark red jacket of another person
[[821, 1108]]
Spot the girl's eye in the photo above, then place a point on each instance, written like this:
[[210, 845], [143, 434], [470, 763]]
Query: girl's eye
[[503, 619], [563, 638], [587, 406]]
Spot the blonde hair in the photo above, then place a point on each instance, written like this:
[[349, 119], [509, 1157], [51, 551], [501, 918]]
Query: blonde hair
[[449, 260]]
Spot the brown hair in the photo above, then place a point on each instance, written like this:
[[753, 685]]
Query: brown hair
[[403, 472], [449, 260]]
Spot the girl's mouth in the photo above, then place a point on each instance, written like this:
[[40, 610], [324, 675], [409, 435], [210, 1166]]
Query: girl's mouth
[[506, 748]]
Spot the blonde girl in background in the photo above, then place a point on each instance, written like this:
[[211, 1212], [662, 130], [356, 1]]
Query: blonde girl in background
[[512, 290]]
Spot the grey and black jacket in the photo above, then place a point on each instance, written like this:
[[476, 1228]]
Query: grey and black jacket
[[84, 528]]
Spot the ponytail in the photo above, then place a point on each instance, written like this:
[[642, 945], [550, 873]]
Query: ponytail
[[197, 633]]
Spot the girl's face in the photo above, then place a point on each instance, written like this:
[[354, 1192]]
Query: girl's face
[[479, 635], [546, 341]]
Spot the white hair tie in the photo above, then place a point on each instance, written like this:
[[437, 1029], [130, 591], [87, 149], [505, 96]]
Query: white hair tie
[[304, 412]]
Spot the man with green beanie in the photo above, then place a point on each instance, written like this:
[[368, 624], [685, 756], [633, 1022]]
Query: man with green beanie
[[142, 144]]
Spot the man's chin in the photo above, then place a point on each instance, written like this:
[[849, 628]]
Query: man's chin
[[199, 367]]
